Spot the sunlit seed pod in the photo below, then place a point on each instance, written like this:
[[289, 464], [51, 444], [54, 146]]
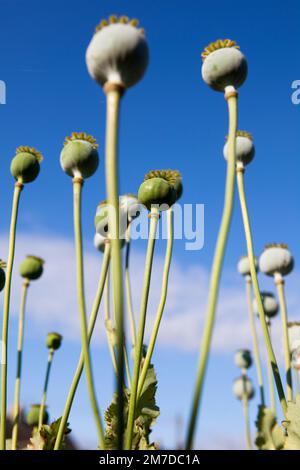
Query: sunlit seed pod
[[245, 149], [118, 53], [269, 302], [158, 192], [32, 267], [32, 417], [53, 340], [242, 387], [294, 335], [130, 207], [276, 258], [224, 65], [2, 274], [243, 359], [243, 266], [296, 359], [25, 166], [173, 177], [79, 156]]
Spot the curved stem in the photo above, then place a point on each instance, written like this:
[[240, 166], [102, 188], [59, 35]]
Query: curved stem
[[16, 419], [79, 369], [10, 262], [285, 336], [111, 169], [271, 381], [255, 342], [162, 303], [77, 187], [154, 216], [264, 326], [216, 269], [128, 288], [44, 397]]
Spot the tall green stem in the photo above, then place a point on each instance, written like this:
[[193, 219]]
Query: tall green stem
[[255, 342], [154, 216], [113, 95], [271, 380], [264, 326], [77, 187], [284, 320], [79, 369], [44, 397], [162, 302], [16, 419], [216, 268], [128, 288], [245, 403], [10, 262]]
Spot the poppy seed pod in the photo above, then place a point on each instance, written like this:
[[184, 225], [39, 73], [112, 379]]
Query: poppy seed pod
[[270, 304], [2, 274], [243, 266], [160, 187], [118, 52], [32, 267], [53, 340], [130, 207], [294, 335], [223, 65], [245, 149], [243, 359], [101, 218], [242, 387], [79, 157], [25, 166], [32, 418], [276, 258]]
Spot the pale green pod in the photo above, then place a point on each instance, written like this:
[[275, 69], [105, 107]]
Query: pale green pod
[[79, 157], [276, 258], [118, 53], [243, 359], [53, 340], [224, 65], [130, 207], [269, 302], [25, 166], [294, 335], [32, 417], [156, 191], [245, 149], [101, 218], [32, 267], [243, 266], [242, 387]]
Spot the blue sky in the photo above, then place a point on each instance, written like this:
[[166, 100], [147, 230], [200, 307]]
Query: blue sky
[[170, 119]]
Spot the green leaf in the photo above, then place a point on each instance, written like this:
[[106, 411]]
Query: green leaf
[[269, 436], [44, 439], [292, 425]]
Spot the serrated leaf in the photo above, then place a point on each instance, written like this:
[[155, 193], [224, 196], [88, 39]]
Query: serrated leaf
[[292, 425], [269, 436], [44, 439]]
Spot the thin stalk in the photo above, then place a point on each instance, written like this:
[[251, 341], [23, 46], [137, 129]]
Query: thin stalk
[[154, 216], [16, 419], [255, 342], [162, 302], [113, 95], [107, 317], [284, 320], [79, 369], [5, 321], [216, 268], [77, 189], [127, 368], [271, 379], [264, 326], [44, 397], [128, 288]]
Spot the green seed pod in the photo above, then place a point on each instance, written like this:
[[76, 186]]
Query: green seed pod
[[223, 65], [118, 52], [53, 340], [32, 418], [2, 274], [243, 359], [161, 187], [245, 149], [243, 266], [79, 156], [25, 166], [294, 335], [32, 267], [242, 387], [101, 218], [276, 258], [270, 304]]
